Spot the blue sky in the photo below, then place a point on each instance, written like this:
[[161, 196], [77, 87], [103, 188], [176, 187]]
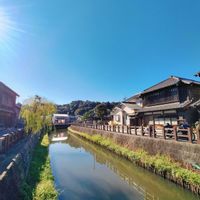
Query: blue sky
[[101, 50]]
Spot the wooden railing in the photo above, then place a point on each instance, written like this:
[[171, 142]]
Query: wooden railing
[[178, 134]]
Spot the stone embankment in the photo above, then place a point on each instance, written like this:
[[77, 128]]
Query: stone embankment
[[182, 152], [12, 176]]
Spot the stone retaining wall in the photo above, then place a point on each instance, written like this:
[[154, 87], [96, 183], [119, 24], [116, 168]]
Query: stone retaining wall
[[183, 152], [13, 176]]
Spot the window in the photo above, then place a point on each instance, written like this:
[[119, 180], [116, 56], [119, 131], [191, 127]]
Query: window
[[117, 118]]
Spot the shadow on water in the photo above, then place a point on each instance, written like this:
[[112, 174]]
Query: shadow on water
[[93, 172]]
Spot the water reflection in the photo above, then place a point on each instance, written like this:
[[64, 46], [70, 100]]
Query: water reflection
[[83, 170]]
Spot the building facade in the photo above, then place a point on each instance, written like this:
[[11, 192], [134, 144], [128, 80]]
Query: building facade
[[125, 113], [9, 111], [172, 101]]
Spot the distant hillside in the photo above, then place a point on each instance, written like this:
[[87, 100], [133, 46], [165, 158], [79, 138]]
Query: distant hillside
[[81, 107]]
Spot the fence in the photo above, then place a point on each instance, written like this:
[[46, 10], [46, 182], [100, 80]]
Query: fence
[[175, 133], [8, 138]]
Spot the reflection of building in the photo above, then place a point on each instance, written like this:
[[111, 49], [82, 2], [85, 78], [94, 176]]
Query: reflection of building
[[172, 101], [9, 111]]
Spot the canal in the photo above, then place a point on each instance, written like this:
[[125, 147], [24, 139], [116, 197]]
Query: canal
[[85, 171]]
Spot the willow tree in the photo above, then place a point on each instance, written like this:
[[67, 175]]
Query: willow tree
[[37, 114]]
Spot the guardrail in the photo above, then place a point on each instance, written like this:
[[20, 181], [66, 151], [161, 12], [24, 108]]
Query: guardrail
[[8, 138], [175, 133]]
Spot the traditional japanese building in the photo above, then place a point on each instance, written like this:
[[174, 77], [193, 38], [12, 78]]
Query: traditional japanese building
[[174, 100], [170, 101], [9, 111]]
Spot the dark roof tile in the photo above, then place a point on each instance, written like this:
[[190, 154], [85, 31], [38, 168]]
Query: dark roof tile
[[170, 82]]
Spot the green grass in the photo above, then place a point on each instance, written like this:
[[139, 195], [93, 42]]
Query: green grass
[[39, 184], [160, 163]]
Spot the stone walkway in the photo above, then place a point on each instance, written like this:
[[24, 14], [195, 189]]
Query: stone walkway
[[7, 157]]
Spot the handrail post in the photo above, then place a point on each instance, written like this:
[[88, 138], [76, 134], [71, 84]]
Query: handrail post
[[190, 135], [164, 135], [130, 130], [175, 133], [154, 131], [149, 131], [135, 130], [198, 135], [142, 130], [122, 128]]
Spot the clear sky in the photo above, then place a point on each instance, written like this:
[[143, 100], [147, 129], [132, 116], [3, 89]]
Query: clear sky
[[101, 50]]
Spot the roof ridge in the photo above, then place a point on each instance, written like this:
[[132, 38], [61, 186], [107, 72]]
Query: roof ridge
[[175, 77], [161, 82], [182, 78], [3, 84]]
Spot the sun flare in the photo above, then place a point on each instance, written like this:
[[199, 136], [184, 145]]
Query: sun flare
[[10, 30], [6, 26]]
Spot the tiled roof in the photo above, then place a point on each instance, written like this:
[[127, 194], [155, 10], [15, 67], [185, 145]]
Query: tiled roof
[[169, 82], [132, 106], [165, 107], [3, 85], [133, 98]]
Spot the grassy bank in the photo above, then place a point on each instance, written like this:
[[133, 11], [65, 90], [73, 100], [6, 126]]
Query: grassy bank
[[159, 164], [39, 184]]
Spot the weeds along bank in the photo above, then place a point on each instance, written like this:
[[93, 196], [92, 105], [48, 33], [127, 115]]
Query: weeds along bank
[[162, 165], [39, 184]]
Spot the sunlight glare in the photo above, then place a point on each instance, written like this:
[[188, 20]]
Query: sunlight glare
[[5, 24]]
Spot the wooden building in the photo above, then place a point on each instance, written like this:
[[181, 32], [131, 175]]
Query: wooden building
[[9, 111], [170, 101], [62, 120], [174, 101]]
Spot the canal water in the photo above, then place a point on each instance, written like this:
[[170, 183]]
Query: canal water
[[85, 171]]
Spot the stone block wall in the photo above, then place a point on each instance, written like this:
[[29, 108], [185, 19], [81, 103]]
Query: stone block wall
[[12, 177], [183, 152]]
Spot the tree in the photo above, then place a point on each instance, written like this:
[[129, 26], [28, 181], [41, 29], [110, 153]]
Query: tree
[[88, 116], [37, 114], [101, 111]]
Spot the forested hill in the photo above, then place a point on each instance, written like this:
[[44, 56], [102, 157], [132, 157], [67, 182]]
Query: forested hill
[[80, 107]]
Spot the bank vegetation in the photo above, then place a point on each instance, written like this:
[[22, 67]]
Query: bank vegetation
[[39, 184]]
